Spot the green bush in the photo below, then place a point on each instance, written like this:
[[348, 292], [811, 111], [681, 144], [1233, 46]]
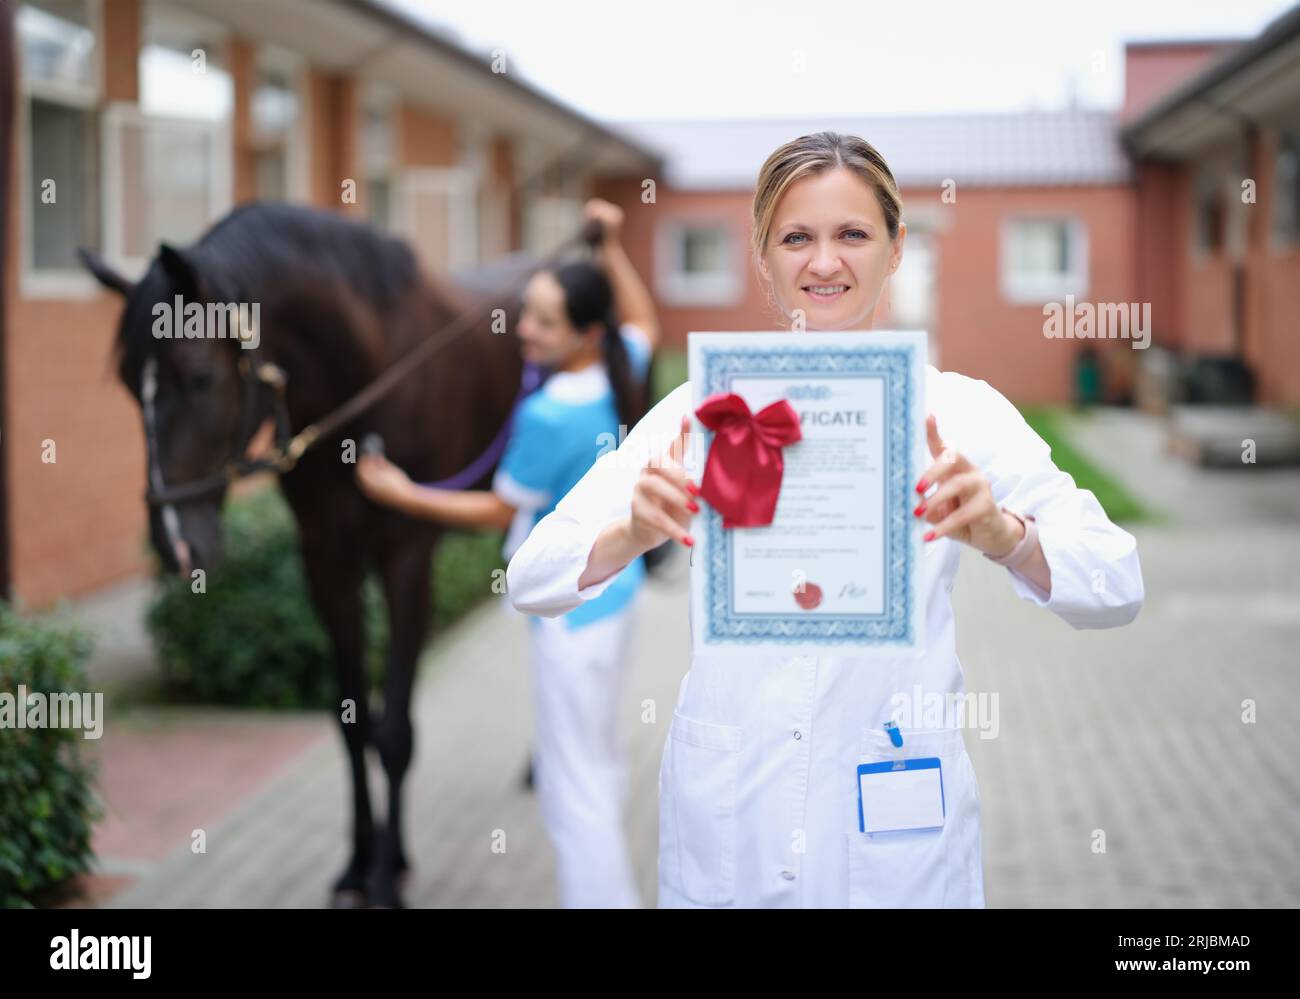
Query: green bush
[[252, 639], [47, 804]]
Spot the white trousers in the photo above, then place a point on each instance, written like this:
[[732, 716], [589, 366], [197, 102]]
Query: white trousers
[[579, 773]]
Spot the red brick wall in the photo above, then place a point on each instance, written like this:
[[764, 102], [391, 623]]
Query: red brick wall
[[1276, 354], [78, 523], [1272, 345], [121, 22], [1163, 235], [1209, 305], [982, 335], [641, 225], [977, 332], [1152, 71], [332, 114], [425, 138], [241, 57]]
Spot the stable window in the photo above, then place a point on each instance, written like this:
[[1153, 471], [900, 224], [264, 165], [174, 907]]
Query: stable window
[[379, 155], [696, 264], [1211, 214], [167, 159], [550, 219], [59, 159], [1286, 189], [1043, 259], [278, 138], [436, 216]]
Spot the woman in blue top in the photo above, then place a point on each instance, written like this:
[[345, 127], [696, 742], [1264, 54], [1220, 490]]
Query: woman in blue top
[[594, 393]]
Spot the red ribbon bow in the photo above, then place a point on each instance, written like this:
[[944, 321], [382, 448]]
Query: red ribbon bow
[[742, 476]]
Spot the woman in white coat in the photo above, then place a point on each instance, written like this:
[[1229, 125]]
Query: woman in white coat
[[758, 782]]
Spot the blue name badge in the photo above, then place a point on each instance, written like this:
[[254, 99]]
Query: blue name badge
[[900, 794]]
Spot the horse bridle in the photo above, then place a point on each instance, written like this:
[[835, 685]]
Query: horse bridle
[[257, 375]]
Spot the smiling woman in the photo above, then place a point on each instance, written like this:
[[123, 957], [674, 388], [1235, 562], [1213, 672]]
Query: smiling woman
[[836, 239], [752, 813]]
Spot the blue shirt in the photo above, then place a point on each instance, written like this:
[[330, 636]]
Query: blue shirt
[[558, 433]]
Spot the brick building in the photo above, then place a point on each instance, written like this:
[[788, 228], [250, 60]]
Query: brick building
[[148, 119]]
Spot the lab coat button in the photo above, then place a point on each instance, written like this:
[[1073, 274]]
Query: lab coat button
[[798, 734], [788, 875]]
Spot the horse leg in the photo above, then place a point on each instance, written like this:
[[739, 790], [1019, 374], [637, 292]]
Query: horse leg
[[335, 576], [405, 576]]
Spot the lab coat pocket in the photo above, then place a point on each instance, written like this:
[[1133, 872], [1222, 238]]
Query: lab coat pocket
[[911, 868], [697, 831]]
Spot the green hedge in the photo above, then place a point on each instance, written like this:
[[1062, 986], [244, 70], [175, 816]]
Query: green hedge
[[252, 639], [47, 802]]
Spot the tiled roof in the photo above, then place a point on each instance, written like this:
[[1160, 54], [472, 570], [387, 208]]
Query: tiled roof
[[1029, 148]]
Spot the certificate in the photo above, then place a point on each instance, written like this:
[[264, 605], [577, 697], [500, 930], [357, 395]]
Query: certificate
[[837, 571]]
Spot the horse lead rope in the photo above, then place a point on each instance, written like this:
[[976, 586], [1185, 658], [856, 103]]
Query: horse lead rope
[[311, 434], [283, 457]]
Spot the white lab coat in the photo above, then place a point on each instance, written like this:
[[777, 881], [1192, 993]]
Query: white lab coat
[[758, 781]]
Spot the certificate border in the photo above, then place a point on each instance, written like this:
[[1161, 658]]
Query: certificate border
[[891, 362]]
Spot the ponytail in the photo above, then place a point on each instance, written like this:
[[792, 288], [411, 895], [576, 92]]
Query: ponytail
[[588, 298], [629, 394]]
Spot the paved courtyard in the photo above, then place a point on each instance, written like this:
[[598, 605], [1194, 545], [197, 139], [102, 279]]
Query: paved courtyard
[[1137, 733]]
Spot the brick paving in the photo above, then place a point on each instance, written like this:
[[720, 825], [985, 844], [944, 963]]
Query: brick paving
[[1136, 733]]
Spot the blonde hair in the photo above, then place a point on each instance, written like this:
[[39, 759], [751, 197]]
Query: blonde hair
[[813, 154]]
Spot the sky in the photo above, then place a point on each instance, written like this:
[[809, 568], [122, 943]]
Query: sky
[[745, 58]]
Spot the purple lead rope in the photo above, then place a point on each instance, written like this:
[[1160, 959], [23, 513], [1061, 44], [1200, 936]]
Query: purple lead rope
[[529, 380]]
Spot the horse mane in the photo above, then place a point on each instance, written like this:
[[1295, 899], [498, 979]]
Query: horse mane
[[264, 247]]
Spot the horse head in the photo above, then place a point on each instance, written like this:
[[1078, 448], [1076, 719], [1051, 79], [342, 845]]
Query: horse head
[[184, 370]]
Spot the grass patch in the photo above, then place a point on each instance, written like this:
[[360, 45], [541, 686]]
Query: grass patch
[[1118, 502], [668, 371]]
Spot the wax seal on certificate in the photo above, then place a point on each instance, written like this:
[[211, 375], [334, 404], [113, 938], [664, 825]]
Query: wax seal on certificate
[[808, 596]]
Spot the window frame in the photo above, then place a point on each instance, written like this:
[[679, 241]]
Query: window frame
[[1277, 240], [460, 187], [1023, 289], [677, 288], [297, 140], [379, 97], [56, 282], [112, 117]]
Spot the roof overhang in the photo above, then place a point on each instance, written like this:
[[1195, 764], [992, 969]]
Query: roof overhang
[[1253, 84], [378, 43]]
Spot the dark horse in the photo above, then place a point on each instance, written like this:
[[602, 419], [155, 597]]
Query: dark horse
[[338, 303]]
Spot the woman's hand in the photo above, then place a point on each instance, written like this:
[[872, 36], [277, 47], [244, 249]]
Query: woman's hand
[[381, 480], [963, 508], [609, 215], [662, 499]]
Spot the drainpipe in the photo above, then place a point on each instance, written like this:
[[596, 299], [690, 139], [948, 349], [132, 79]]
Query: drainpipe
[[7, 87]]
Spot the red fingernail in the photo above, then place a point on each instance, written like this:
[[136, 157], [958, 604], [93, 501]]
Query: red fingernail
[[922, 486], [920, 509], [693, 507], [930, 536], [688, 541], [692, 488]]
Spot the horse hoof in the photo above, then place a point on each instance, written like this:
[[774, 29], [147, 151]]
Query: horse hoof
[[349, 898]]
